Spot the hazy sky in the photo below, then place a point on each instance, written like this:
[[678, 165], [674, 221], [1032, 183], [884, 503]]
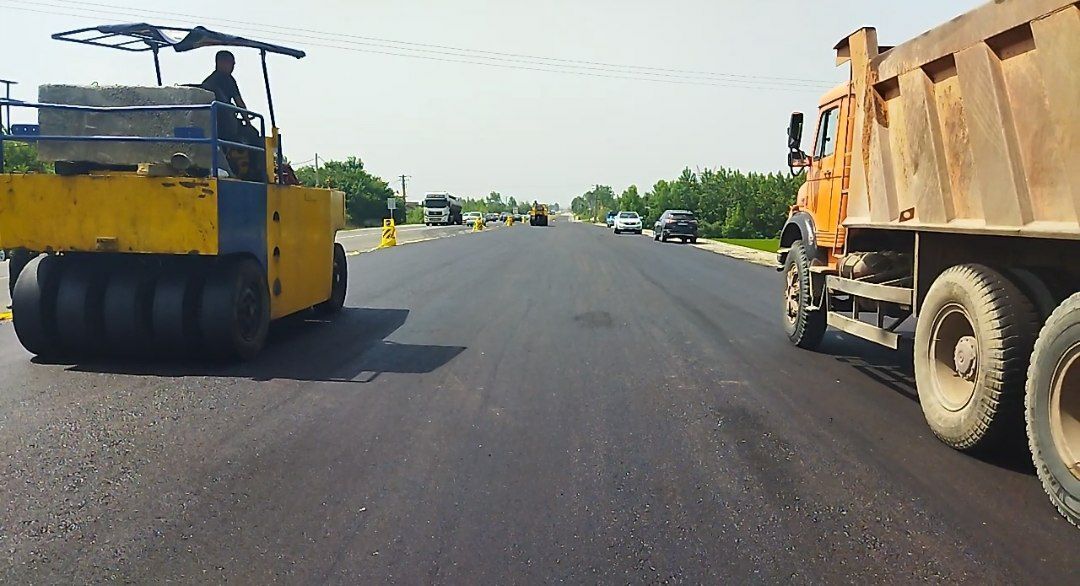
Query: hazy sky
[[469, 128]]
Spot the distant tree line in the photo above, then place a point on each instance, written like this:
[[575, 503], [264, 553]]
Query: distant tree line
[[494, 203], [365, 193], [728, 203]]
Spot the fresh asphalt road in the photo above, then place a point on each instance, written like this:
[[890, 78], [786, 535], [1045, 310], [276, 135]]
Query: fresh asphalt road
[[521, 405]]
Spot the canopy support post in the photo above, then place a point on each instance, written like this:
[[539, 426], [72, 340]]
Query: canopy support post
[[278, 156], [266, 82], [157, 66]]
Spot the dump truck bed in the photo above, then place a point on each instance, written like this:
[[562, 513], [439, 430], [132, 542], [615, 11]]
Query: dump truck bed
[[971, 127]]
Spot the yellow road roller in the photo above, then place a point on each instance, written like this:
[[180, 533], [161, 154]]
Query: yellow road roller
[[172, 225], [538, 215]]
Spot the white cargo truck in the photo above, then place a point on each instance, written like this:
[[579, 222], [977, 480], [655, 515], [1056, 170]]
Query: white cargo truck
[[441, 208]]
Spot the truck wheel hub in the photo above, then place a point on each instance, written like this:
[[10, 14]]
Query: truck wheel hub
[[793, 293], [1065, 410], [966, 358]]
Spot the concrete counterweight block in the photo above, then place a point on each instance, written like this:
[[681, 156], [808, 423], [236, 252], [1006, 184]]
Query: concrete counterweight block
[[147, 124]]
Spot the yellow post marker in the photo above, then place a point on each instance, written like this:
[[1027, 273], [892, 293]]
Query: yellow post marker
[[478, 225], [389, 234], [509, 220]]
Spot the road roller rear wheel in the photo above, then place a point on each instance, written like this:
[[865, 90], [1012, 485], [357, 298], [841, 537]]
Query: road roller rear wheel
[[339, 283], [172, 311], [79, 319], [235, 310], [127, 306], [33, 303]]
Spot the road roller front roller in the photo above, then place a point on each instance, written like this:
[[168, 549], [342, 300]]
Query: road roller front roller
[[89, 305]]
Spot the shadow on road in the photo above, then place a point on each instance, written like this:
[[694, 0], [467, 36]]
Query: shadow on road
[[348, 347], [893, 369], [896, 371]]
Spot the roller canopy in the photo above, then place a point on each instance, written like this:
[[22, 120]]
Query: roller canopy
[[202, 37], [148, 37]]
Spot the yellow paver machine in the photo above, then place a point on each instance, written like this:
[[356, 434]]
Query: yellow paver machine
[[159, 232]]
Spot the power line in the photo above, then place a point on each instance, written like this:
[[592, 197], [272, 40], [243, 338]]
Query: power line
[[748, 83], [381, 42]]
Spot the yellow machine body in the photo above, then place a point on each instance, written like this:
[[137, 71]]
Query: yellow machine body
[[288, 229]]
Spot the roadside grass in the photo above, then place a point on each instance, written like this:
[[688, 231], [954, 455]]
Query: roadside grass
[[766, 244]]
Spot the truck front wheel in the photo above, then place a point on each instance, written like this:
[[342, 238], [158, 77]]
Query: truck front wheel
[[804, 327], [973, 339], [1053, 408]]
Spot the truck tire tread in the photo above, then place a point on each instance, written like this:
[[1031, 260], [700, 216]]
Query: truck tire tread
[[1006, 336], [809, 327], [1062, 488]]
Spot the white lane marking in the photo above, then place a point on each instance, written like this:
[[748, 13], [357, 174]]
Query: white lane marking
[[427, 239], [370, 231]]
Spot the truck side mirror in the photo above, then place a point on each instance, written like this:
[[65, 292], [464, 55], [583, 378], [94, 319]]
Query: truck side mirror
[[794, 131], [797, 159]]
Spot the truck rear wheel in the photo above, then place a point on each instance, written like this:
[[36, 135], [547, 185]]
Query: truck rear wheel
[[1053, 408], [973, 339], [805, 328]]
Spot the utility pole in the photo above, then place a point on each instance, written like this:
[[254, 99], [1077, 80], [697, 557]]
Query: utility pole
[[404, 202], [317, 184], [595, 194]]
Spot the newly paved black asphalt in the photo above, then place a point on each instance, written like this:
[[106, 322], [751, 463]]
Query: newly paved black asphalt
[[523, 405]]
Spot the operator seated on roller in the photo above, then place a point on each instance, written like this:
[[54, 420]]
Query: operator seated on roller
[[248, 165]]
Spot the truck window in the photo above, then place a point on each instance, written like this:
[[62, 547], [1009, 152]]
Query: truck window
[[827, 129]]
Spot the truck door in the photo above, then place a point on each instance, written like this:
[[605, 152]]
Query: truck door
[[826, 176]]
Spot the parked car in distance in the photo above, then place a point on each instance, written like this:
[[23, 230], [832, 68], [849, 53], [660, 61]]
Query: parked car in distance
[[627, 222], [503, 216], [470, 218], [610, 220], [491, 217], [676, 224]]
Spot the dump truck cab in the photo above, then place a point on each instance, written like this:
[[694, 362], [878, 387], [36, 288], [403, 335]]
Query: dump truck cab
[[819, 209], [155, 232]]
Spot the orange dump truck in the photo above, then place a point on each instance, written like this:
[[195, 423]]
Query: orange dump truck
[[944, 186]]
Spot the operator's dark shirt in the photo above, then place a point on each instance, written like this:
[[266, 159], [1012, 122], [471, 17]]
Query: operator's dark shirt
[[223, 85], [225, 90]]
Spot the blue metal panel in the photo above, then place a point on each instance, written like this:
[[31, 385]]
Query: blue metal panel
[[188, 132], [242, 218]]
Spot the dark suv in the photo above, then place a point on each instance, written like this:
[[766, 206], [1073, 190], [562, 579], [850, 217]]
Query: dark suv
[[676, 224]]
